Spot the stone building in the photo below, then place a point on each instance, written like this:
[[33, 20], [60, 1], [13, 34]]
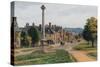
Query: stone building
[[18, 30], [53, 33]]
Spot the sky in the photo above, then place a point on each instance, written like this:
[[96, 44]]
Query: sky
[[65, 15]]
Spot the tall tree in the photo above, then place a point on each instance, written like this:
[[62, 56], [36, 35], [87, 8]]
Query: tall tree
[[34, 34], [23, 39], [90, 30]]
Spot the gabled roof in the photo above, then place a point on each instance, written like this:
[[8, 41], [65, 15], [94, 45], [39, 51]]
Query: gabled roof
[[49, 31]]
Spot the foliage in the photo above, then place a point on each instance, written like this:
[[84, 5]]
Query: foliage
[[29, 39], [24, 41], [34, 34], [23, 34], [90, 30]]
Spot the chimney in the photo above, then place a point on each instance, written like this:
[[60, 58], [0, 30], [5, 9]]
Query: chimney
[[27, 24], [40, 27], [33, 24], [49, 24]]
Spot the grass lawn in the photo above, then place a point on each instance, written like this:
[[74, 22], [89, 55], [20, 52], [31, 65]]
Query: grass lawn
[[93, 54], [84, 46], [38, 57]]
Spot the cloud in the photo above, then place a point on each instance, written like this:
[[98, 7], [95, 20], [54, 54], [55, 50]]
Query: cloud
[[59, 14]]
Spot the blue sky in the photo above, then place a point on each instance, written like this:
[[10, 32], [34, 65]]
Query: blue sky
[[65, 15]]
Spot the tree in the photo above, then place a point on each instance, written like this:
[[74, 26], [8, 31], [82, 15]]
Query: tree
[[29, 39], [90, 30], [24, 41], [34, 34]]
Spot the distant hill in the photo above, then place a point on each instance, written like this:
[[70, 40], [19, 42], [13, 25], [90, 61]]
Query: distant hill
[[73, 30]]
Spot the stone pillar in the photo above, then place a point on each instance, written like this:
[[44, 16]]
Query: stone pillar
[[43, 23], [43, 28]]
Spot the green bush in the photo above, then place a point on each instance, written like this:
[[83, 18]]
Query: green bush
[[34, 34]]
